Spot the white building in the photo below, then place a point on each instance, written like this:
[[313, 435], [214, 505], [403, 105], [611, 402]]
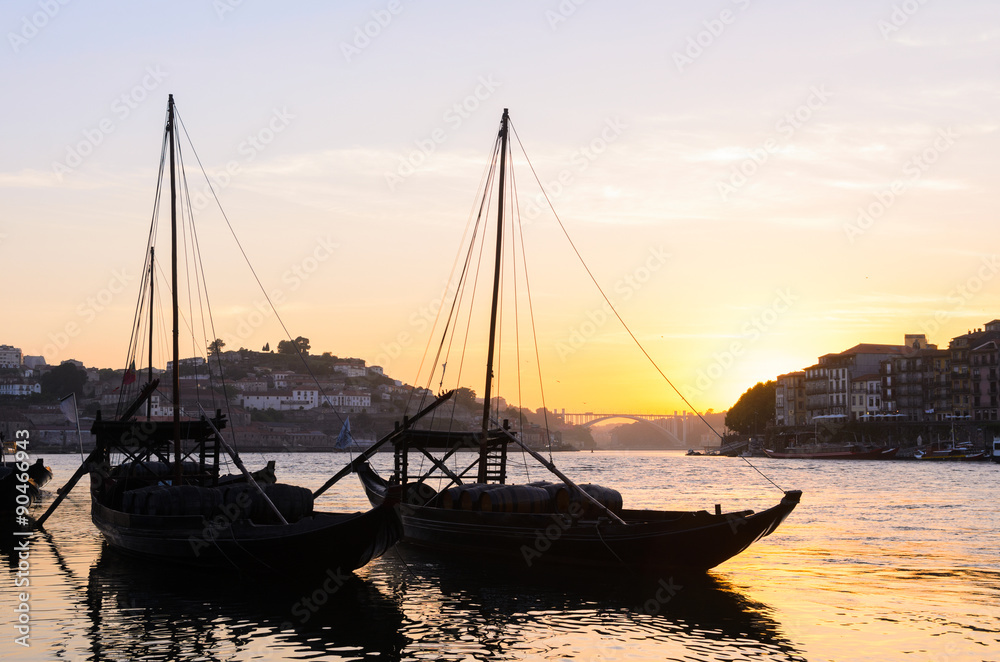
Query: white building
[[281, 379], [10, 357], [192, 362], [19, 389], [351, 368], [279, 400]]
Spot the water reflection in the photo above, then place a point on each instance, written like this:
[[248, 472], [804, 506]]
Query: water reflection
[[177, 614], [484, 613], [406, 605]]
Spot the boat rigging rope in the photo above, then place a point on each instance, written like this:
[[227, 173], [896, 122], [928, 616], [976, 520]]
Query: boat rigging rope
[[612, 306], [246, 258], [531, 315]]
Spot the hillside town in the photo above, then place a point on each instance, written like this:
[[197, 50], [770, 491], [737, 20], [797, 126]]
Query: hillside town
[[278, 401]]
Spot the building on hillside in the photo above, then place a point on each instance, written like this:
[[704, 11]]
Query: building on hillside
[[961, 348], [829, 382], [817, 392], [866, 396], [280, 400], [983, 361], [350, 401], [912, 382], [351, 367], [20, 388], [250, 385], [10, 357], [191, 363], [281, 378], [790, 399]]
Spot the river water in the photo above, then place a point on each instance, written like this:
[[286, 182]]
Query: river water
[[888, 560]]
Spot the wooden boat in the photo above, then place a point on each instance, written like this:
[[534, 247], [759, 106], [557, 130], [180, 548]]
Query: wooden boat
[[157, 493], [951, 453], [849, 453], [543, 526]]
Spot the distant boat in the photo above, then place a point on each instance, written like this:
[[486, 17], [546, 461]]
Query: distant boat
[[156, 490], [996, 449], [955, 453], [555, 525], [820, 453]]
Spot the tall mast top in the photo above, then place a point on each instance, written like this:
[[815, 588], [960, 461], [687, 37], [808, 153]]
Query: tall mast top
[[484, 433]]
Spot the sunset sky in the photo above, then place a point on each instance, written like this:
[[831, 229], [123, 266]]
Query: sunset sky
[[753, 184]]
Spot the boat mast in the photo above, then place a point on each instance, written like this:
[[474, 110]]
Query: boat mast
[[493, 314], [173, 285], [152, 257]]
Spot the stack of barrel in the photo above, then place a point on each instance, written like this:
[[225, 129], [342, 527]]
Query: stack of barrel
[[537, 497], [292, 501]]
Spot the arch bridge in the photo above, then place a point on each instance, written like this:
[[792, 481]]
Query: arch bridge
[[673, 426]]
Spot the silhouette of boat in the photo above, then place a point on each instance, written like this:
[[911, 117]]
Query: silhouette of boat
[[156, 488], [544, 525]]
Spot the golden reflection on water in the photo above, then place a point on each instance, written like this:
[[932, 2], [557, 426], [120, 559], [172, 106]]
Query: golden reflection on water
[[888, 562]]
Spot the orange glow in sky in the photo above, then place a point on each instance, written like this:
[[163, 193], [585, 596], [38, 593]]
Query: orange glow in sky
[[751, 191]]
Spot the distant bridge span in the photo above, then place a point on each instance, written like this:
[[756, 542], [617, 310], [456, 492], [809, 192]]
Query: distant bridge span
[[673, 426]]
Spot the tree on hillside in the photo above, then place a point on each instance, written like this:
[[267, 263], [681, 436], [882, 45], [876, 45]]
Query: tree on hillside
[[288, 346], [754, 410], [63, 380], [216, 346], [465, 397]]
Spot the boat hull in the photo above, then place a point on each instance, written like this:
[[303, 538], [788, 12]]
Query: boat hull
[[874, 454], [950, 456], [14, 492], [317, 543], [649, 541]]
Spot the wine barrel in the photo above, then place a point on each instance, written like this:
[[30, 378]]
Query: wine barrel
[[237, 500], [292, 501], [158, 501], [450, 498], [468, 498], [134, 501], [606, 496], [558, 495], [514, 499]]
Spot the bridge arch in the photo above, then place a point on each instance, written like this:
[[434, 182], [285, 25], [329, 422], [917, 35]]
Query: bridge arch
[[641, 419]]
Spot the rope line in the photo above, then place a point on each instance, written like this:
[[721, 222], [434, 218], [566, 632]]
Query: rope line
[[615, 310]]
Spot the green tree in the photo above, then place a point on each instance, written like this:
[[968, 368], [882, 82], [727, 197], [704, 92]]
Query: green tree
[[754, 410], [288, 346], [216, 346], [63, 380], [465, 397]]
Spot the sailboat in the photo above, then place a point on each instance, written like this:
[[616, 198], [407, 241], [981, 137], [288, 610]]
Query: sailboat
[[543, 525], [155, 484]]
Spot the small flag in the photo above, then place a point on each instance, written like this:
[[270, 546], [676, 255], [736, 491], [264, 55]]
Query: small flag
[[68, 407], [344, 438], [129, 374]]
